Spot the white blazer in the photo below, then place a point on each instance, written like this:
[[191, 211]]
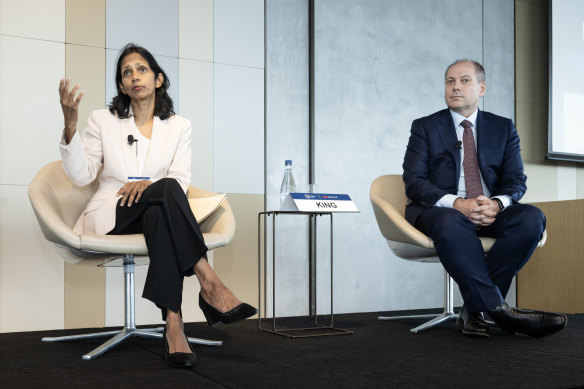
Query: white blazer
[[103, 150]]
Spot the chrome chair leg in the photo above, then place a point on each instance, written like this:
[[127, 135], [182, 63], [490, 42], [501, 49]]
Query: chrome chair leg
[[111, 343], [447, 314], [148, 334], [94, 335]]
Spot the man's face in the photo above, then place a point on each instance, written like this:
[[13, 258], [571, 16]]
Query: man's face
[[463, 89]]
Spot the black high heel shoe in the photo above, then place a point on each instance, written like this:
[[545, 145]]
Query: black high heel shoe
[[180, 360], [214, 317]]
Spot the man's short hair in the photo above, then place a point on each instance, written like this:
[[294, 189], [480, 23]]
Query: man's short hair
[[479, 69]]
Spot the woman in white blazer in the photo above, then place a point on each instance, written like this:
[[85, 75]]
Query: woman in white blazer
[[140, 151]]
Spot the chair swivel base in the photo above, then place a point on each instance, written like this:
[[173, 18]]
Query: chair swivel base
[[117, 337], [129, 330], [447, 314]]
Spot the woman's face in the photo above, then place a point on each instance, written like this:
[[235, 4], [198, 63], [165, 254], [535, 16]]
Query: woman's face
[[139, 81]]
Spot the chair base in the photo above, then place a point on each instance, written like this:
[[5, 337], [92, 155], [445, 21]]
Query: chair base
[[436, 319], [117, 337], [447, 314], [129, 330]]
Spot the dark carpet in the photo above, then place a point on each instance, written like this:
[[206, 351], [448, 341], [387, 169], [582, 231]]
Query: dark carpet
[[381, 354]]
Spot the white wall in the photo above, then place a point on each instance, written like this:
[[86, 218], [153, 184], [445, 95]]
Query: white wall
[[32, 60], [378, 66]]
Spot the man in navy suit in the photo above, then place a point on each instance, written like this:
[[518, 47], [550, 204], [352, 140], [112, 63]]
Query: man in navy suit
[[464, 176]]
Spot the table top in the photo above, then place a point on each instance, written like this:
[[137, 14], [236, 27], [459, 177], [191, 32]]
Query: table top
[[297, 213]]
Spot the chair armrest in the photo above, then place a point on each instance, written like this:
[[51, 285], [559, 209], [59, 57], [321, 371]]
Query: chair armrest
[[53, 228], [219, 227], [543, 239], [46, 206], [394, 226]]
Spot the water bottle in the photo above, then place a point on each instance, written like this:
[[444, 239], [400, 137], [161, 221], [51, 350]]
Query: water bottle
[[288, 184]]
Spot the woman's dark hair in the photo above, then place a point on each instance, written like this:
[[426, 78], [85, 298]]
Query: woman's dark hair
[[120, 104]]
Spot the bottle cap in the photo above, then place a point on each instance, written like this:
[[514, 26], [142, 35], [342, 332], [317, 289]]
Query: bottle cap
[[288, 162]]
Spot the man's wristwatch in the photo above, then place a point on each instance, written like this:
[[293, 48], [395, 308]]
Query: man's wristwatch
[[498, 200]]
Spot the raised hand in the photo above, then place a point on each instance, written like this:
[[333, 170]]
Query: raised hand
[[70, 106]]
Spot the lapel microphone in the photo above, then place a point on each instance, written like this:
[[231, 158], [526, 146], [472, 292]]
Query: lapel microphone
[[131, 141], [458, 145]]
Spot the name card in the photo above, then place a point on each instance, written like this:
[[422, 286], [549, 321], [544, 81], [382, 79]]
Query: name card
[[319, 202]]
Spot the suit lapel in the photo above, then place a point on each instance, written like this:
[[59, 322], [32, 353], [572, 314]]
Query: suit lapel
[[447, 133], [129, 150], [483, 128]]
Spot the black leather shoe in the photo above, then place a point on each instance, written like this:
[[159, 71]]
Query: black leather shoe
[[472, 323], [526, 321], [214, 317], [180, 360]]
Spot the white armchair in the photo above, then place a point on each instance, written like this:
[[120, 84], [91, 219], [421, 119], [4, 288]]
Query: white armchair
[[57, 204], [389, 201]]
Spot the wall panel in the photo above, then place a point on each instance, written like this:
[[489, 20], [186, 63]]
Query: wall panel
[[238, 32], [196, 29], [31, 269], [36, 19], [31, 120], [239, 129], [580, 183], [287, 121], [85, 66], [196, 95], [85, 22], [552, 279], [84, 296], [499, 57], [532, 49], [286, 95], [148, 23], [377, 69]]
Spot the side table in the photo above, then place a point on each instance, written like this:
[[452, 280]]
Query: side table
[[318, 329]]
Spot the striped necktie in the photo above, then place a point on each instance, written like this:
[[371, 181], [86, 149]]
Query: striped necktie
[[472, 176]]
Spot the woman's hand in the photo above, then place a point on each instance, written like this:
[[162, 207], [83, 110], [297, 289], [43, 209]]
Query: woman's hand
[[70, 106], [132, 191]]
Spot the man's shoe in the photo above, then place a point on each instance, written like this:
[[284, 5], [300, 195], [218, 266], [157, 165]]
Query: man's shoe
[[526, 321], [472, 323]]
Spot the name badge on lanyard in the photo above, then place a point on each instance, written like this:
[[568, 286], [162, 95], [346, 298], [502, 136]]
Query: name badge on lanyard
[[132, 179]]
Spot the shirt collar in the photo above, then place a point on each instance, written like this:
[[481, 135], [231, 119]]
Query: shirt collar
[[458, 118]]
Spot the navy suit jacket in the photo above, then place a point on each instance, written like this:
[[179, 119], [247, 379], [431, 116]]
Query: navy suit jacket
[[432, 161]]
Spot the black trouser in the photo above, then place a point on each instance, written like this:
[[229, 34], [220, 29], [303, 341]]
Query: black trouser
[[173, 237]]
